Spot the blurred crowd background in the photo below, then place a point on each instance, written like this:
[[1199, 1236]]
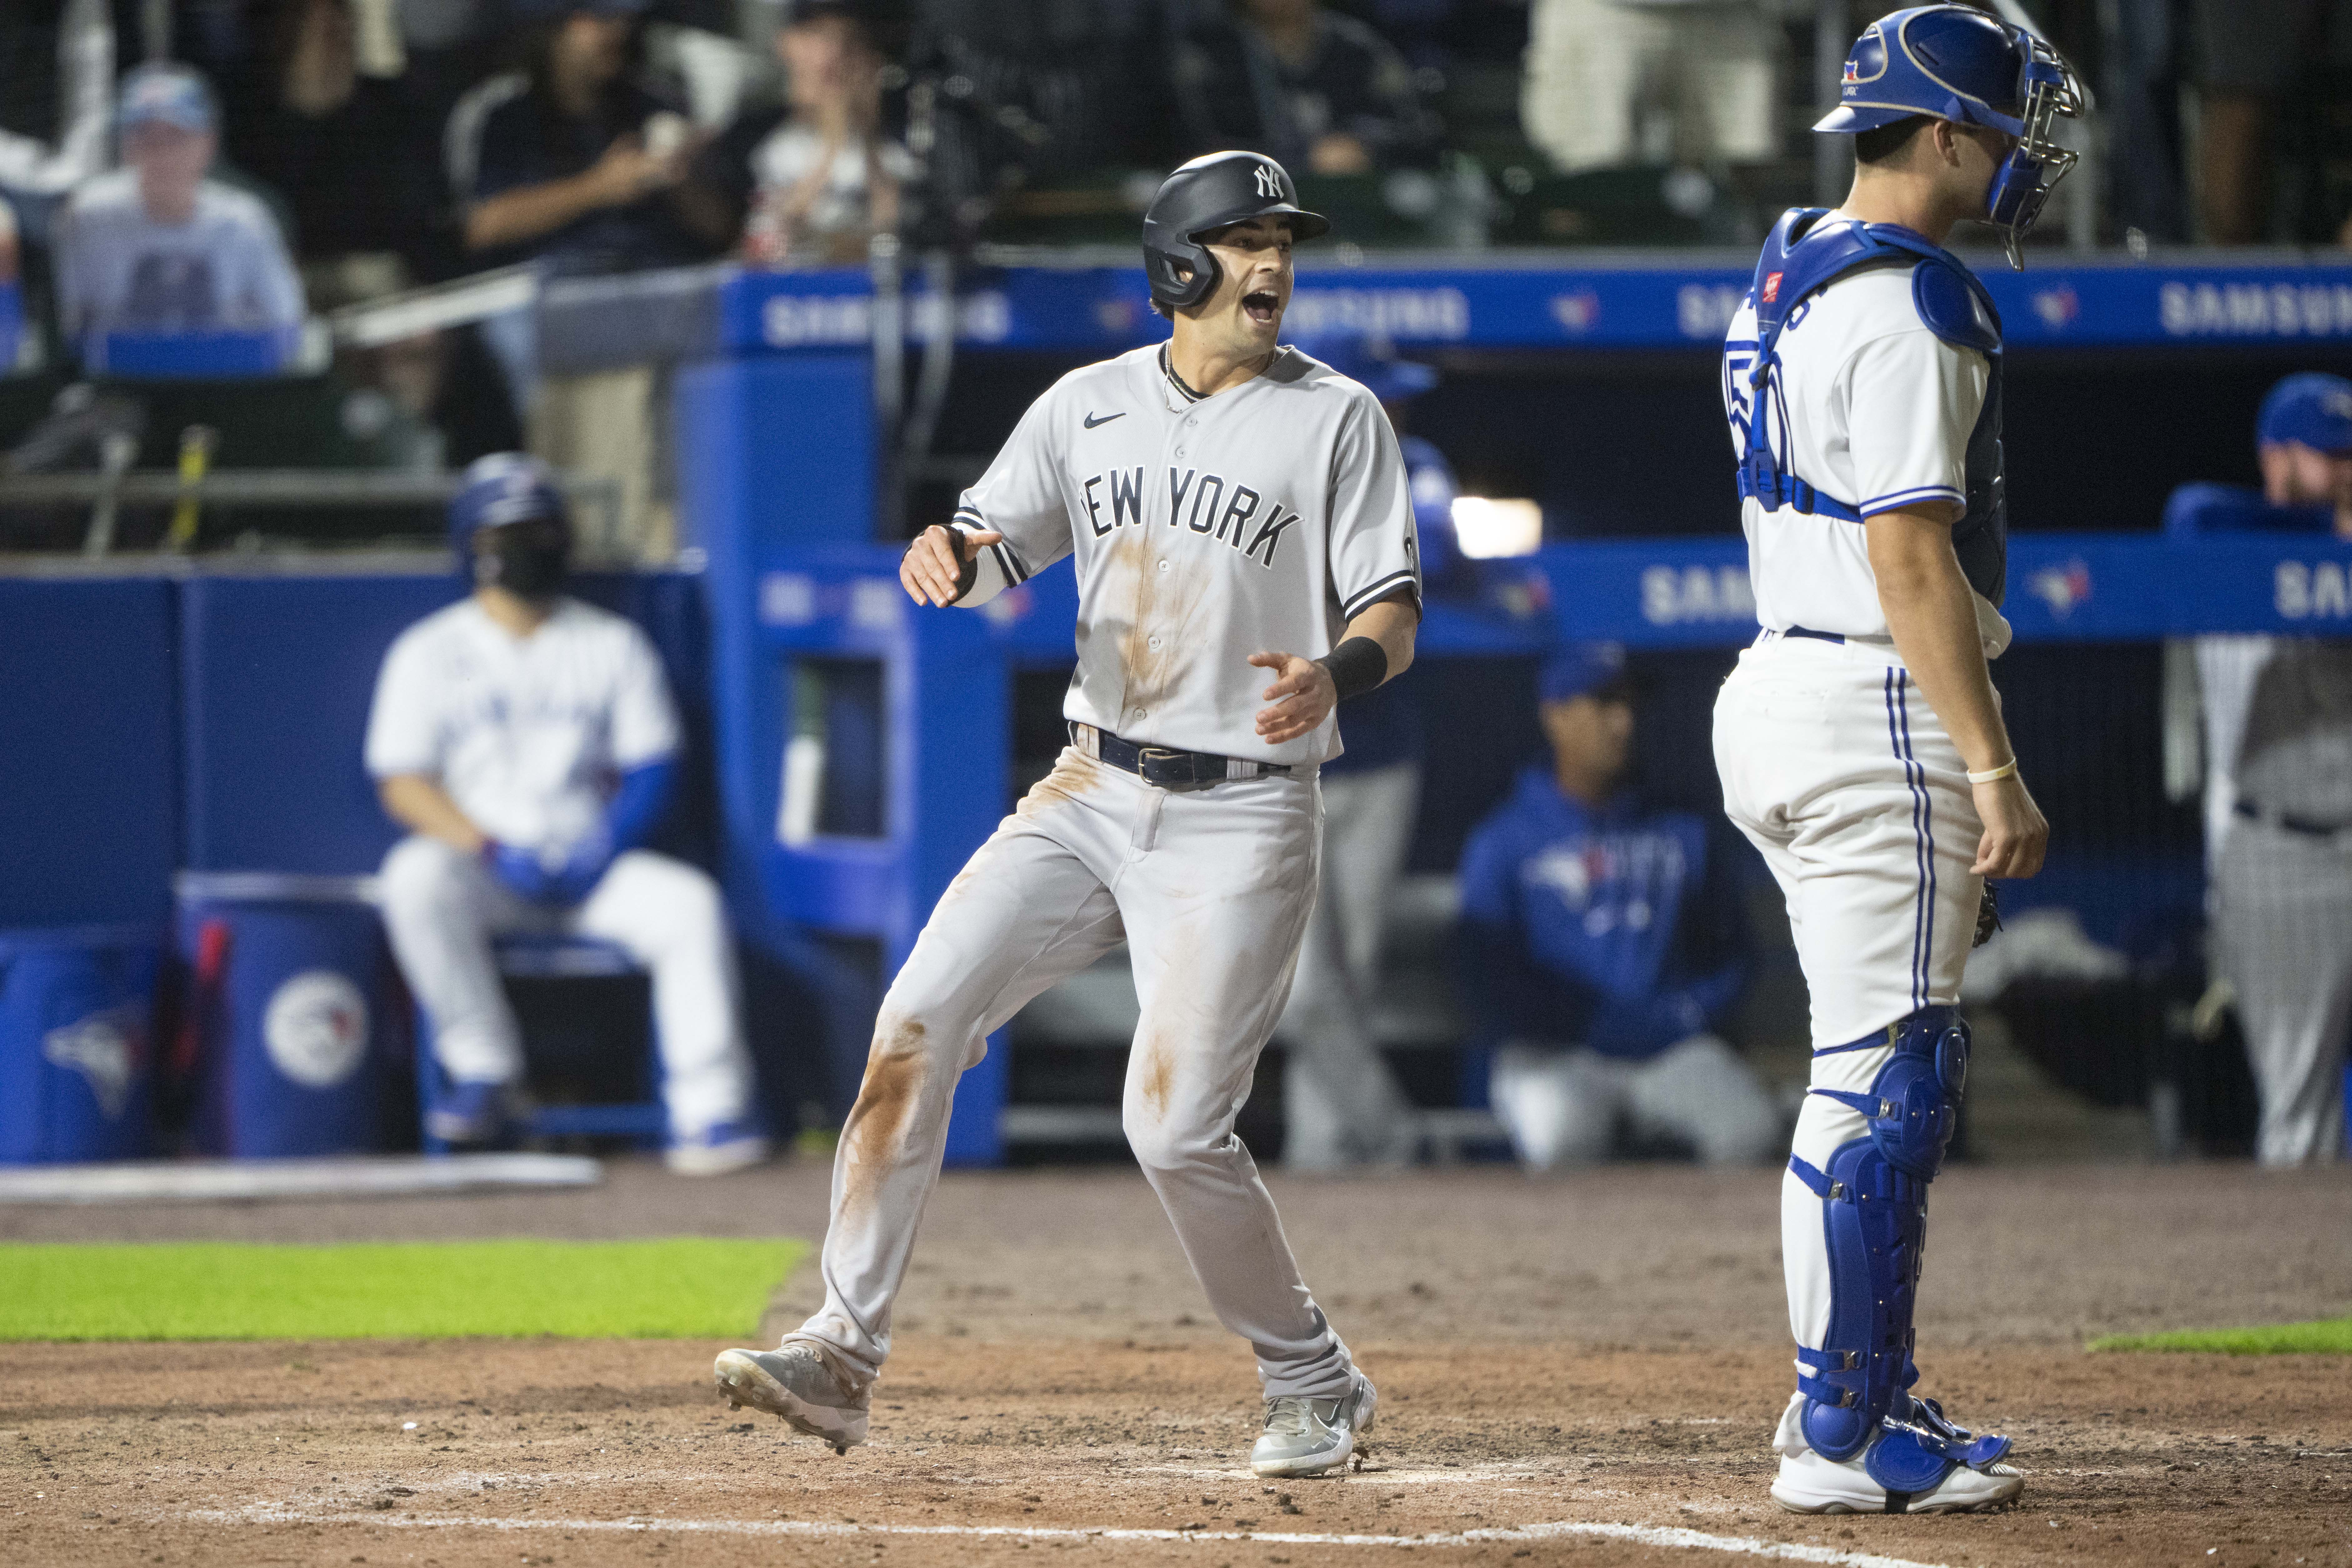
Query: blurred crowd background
[[239, 164]]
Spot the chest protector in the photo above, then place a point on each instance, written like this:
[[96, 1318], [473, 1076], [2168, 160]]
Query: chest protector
[[1801, 259]]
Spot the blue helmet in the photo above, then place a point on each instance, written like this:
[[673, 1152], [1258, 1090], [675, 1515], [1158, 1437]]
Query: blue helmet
[[1957, 63], [503, 488]]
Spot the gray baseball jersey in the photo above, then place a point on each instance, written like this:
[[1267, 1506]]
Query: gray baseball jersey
[[1205, 530]]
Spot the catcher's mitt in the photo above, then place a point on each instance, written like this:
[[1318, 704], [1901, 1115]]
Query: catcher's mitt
[[1988, 915]]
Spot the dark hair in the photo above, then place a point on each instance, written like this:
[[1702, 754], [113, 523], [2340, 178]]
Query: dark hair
[[1885, 142]]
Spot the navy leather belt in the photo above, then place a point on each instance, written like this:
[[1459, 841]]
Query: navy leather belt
[[1163, 765], [1817, 637]]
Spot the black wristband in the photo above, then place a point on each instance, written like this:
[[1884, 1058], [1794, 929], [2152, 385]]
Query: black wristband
[[1356, 664], [971, 572]]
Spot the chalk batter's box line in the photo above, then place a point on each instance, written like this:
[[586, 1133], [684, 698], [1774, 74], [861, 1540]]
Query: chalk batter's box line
[[1641, 1534]]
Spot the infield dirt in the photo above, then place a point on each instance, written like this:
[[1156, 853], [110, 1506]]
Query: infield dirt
[[1606, 1350]]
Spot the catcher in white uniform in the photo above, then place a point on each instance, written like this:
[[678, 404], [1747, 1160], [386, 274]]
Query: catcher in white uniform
[[1246, 560], [1860, 741], [528, 741]]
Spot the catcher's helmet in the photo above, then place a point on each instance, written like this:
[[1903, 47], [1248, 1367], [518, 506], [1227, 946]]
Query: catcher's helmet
[[1208, 193], [1955, 62]]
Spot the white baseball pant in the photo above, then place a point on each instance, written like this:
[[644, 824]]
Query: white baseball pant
[[1210, 889], [1561, 1107], [1839, 772], [1341, 1105], [442, 907]]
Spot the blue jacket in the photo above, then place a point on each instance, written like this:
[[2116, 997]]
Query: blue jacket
[[1615, 929], [1383, 727], [2195, 509]]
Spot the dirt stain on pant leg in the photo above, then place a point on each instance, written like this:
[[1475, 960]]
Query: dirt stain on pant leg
[[1073, 775], [1159, 1074], [886, 1100]]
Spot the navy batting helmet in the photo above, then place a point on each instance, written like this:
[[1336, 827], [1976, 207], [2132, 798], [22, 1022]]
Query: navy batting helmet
[[1208, 193], [503, 488], [1956, 63]]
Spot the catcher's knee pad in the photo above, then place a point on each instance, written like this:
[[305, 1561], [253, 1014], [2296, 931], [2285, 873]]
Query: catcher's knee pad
[[1875, 1219]]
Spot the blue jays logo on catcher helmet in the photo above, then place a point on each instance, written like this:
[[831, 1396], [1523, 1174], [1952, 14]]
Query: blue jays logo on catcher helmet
[[503, 488], [1956, 63]]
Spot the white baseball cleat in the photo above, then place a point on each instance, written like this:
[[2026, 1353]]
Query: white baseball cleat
[[1809, 1484], [1306, 1436], [793, 1381]]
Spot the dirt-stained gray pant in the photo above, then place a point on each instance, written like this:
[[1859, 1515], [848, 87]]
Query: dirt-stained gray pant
[[1210, 889]]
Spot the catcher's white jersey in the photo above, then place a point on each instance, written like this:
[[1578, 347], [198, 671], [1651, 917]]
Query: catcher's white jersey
[[1871, 407], [1205, 530]]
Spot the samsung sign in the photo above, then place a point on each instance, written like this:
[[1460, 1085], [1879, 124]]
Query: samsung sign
[[2256, 310]]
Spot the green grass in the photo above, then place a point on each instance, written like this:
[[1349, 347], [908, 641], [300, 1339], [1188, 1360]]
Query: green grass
[[679, 1288], [2329, 1336]]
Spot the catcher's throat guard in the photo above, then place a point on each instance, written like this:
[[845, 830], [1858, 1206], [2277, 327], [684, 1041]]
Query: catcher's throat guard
[[1874, 1192], [2022, 184]]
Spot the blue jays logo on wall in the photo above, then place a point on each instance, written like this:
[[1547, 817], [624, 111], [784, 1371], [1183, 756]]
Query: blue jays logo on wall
[[2058, 308], [2061, 588]]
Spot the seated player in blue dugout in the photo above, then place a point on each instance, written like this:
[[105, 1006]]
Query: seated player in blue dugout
[[527, 742], [1603, 943], [2278, 796]]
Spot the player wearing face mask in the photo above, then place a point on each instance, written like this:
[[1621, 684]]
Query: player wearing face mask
[[528, 741]]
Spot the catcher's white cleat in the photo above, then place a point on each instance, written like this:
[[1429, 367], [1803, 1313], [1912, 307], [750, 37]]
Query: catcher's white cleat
[[1306, 1436], [794, 1382], [1809, 1484]]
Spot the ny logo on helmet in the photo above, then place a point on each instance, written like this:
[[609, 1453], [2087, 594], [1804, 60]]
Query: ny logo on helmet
[[1269, 182]]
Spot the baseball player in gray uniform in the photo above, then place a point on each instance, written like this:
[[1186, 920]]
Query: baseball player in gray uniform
[[1245, 558], [2278, 818]]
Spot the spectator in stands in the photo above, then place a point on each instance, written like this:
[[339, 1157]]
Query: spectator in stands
[[809, 182], [335, 143], [2278, 818], [1341, 1105], [1320, 93], [571, 161], [1611, 83], [1603, 944], [155, 245], [527, 742], [2250, 58], [56, 98]]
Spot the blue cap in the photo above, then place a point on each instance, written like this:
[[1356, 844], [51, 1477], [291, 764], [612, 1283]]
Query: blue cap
[[1953, 62], [171, 94], [1372, 360], [1580, 669], [2314, 408], [503, 488]]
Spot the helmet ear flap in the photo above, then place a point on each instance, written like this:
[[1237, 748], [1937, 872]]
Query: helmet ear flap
[[1172, 287]]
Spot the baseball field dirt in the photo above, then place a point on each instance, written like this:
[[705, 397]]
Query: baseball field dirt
[[1579, 1370]]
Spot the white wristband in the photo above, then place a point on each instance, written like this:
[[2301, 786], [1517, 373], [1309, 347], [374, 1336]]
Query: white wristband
[[1993, 775]]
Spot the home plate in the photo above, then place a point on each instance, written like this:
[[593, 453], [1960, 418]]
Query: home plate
[[358, 1176]]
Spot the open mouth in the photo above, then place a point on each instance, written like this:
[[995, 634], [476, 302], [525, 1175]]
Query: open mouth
[[1260, 305]]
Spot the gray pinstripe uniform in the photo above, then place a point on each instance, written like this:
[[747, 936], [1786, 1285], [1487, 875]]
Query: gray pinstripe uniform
[[2279, 718]]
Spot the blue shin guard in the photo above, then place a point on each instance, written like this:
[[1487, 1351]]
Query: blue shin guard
[[1875, 1219]]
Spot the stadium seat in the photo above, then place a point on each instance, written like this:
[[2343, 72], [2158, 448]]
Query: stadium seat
[[558, 957]]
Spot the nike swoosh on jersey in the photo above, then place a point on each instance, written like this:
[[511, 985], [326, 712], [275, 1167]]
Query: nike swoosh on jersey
[[1095, 419]]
